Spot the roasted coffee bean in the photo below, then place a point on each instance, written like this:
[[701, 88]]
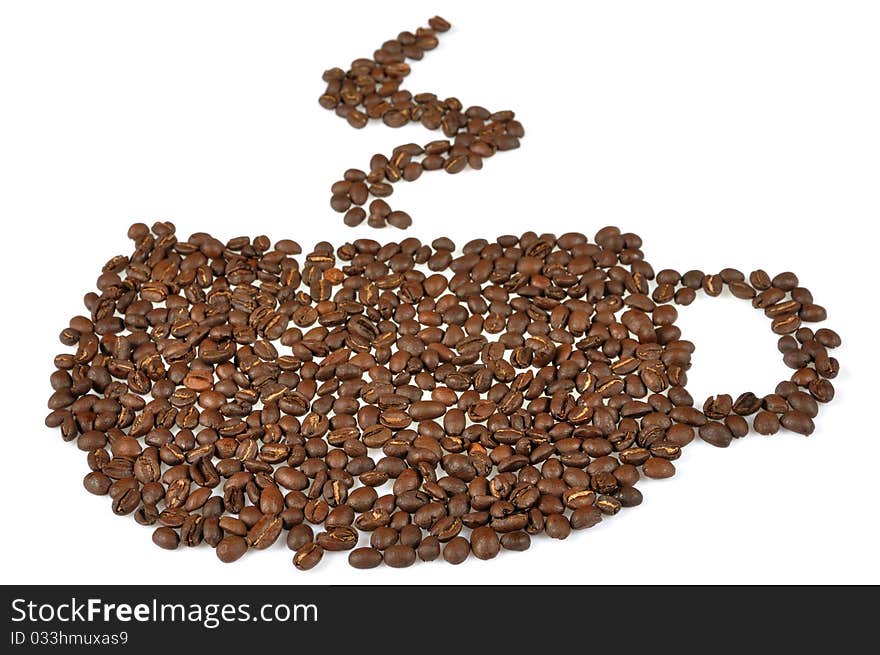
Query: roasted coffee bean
[[485, 543], [97, 483], [383, 537], [627, 496], [399, 556], [365, 558], [766, 422], [264, 532], [799, 422], [308, 556], [211, 531], [658, 468], [299, 535], [716, 434], [457, 550], [231, 548], [585, 517], [556, 526], [718, 407], [516, 541], [429, 549], [355, 216], [340, 538], [785, 281], [737, 425], [399, 219], [828, 338], [165, 537], [747, 403], [822, 390], [803, 402], [760, 280]]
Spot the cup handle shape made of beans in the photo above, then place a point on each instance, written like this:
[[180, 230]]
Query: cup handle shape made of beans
[[371, 90], [795, 402]]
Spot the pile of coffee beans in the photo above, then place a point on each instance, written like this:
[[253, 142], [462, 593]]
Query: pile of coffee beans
[[401, 401], [370, 89]]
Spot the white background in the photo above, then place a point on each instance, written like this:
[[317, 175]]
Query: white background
[[725, 133]]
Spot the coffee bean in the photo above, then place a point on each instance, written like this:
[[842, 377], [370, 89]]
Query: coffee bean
[[439, 24], [798, 422], [340, 202], [264, 532], [485, 543], [659, 468], [231, 548], [760, 280], [746, 404], [516, 541], [299, 536], [399, 219], [457, 550], [426, 409], [716, 434], [339, 538], [97, 483], [556, 526], [822, 390], [737, 425], [365, 558], [718, 407], [429, 549], [399, 556], [271, 501], [804, 403], [766, 422], [165, 537], [354, 216], [627, 497], [828, 338], [785, 281], [585, 517], [308, 556]]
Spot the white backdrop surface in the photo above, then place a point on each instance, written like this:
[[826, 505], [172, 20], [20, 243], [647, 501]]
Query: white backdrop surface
[[725, 134]]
